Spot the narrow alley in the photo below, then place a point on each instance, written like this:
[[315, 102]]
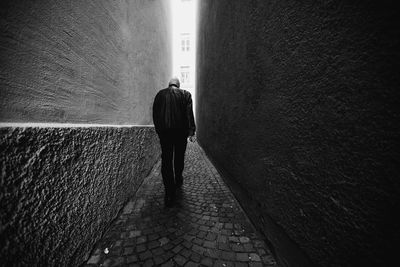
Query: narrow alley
[[295, 103], [207, 227]]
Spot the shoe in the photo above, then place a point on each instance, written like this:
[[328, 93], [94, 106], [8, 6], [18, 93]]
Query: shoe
[[179, 183], [178, 195], [169, 200]]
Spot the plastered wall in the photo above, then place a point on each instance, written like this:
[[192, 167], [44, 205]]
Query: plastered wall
[[82, 61], [79, 68], [60, 188], [297, 104]]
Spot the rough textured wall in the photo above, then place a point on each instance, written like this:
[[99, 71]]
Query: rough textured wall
[[60, 188], [95, 61], [297, 103]]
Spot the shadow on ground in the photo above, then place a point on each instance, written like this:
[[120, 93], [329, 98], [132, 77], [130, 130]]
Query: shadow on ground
[[206, 227]]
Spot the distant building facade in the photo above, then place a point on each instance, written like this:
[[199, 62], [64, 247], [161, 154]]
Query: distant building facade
[[184, 43]]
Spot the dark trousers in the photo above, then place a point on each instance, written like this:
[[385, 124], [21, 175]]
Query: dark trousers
[[173, 147]]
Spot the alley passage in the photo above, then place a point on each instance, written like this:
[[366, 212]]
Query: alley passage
[[206, 228]]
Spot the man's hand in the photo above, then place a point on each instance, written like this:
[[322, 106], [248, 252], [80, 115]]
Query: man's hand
[[192, 138]]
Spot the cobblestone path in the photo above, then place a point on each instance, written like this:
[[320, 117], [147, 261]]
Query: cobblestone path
[[207, 227]]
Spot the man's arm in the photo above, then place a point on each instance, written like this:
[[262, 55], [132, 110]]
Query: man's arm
[[156, 112], [190, 116]]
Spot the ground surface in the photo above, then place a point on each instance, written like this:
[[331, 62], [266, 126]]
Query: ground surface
[[206, 227]]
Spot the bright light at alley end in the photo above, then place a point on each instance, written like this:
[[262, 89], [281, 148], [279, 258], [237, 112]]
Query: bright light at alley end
[[184, 17]]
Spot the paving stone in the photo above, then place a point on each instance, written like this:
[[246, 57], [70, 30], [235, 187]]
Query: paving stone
[[228, 255], [224, 246], [210, 244], [145, 255], [148, 263], [141, 239], [168, 255], [211, 236], [140, 248], [157, 251], [131, 259], [129, 243], [242, 257], [119, 261], [228, 226], [195, 257], [237, 248], [222, 263], [129, 250], [163, 241], [94, 259], [244, 239], [198, 241], [268, 260], [185, 253], [133, 234], [202, 234], [222, 239], [115, 251], [261, 251], [187, 244], [129, 207], [153, 244], [191, 264], [177, 241], [205, 227], [188, 237], [168, 246], [153, 237], [234, 239], [158, 260], [180, 260], [254, 257], [198, 249], [168, 264], [206, 261], [97, 252], [249, 248], [177, 249], [259, 243], [118, 243], [107, 263]]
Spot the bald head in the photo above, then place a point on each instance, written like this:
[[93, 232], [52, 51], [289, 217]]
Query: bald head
[[174, 81]]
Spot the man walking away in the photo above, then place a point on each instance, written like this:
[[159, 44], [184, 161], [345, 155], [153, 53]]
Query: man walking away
[[174, 123]]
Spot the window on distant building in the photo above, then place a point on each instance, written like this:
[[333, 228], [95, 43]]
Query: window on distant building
[[185, 42], [185, 74]]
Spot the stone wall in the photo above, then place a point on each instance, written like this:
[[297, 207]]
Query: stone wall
[[297, 104], [94, 61]]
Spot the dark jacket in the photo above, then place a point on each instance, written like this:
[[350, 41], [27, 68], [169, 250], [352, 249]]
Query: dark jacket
[[172, 109]]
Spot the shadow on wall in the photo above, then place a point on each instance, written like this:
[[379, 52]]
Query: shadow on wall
[[298, 105]]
